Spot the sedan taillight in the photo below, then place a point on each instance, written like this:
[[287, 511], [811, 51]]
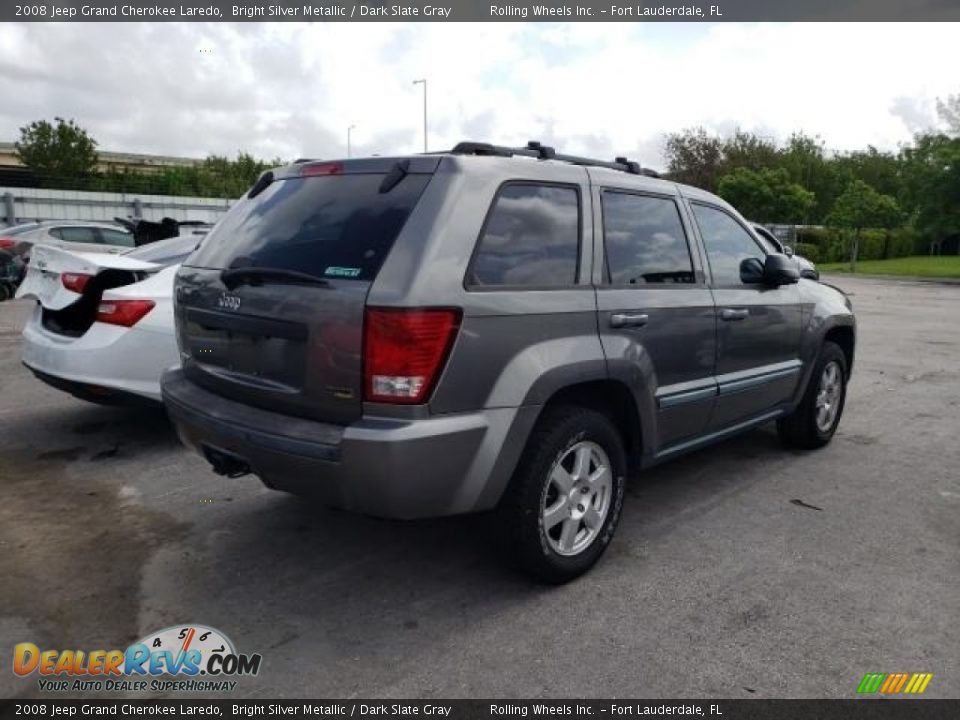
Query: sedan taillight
[[75, 282], [123, 312]]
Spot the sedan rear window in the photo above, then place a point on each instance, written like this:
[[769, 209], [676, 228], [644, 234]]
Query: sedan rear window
[[339, 226]]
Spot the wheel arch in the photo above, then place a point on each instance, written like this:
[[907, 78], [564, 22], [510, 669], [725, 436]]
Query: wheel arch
[[609, 396], [844, 336], [615, 400]]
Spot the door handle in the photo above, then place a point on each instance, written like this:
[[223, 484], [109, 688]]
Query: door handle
[[619, 320], [734, 313]]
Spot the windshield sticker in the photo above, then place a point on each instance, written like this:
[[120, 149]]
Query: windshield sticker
[[348, 272]]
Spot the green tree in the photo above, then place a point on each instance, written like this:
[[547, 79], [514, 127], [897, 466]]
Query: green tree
[[931, 181], [949, 112], [60, 152], [878, 169], [766, 195], [746, 150], [805, 160], [859, 207], [695, 158]]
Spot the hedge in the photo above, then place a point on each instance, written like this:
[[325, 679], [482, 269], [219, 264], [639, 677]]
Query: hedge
[[833, 244], [810, 251]]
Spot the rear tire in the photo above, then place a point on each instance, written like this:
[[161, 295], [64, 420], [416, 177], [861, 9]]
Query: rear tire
[[563, 504], [814, 421]]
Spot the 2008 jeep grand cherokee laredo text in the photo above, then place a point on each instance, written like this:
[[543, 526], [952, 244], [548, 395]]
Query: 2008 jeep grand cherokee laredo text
[[480, 330]]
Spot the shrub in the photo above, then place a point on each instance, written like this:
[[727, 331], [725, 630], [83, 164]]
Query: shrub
[[872, 244], [810, 251]]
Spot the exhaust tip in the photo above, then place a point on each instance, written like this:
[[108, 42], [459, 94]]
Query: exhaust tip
[[226, 463]]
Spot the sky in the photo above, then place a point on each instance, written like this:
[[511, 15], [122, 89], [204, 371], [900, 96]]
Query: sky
[[283, 90]]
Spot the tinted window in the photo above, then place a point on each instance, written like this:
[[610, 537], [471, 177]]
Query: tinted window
[[644, 240], [532, 238], [117, 237], [329, 226], [76, 234], [727, 244]]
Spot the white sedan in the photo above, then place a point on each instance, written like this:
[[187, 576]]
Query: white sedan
[[102, 329]]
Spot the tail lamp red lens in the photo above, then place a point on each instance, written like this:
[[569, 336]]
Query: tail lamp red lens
[[123, 312], [405, 351], [6, 243], [75, 281]]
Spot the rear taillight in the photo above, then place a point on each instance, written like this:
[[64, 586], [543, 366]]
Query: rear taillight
[[75, 281], [6, 243], [123, 312], [325, 168], [404, 352]]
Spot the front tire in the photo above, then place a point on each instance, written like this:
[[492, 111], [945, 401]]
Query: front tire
[[813, 423], [563, 504]]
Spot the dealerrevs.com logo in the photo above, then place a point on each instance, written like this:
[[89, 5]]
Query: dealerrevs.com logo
[[180, 658]]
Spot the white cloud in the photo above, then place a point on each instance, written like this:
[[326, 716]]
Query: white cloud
[[291, 90]]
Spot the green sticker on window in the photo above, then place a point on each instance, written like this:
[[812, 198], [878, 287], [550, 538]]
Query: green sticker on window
[[341, 271]]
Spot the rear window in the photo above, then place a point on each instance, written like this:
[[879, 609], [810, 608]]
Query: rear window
[[330, 226]]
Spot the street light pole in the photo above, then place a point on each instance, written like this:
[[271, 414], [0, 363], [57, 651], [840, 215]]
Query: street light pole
[[348, 139], [424, 83]]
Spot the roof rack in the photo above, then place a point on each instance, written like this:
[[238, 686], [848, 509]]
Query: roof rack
[[535, 149]]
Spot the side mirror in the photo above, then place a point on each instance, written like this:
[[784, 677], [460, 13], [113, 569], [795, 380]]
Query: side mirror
[[788, 251], [776, 270]]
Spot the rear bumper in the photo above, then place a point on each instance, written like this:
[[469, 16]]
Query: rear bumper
[[443, 465], [128, 361]]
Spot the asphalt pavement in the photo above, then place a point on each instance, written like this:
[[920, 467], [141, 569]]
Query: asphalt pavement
[[743, 570]]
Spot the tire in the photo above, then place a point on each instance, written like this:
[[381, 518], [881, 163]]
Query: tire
[[562, 544], [4, 292], [808, 426]]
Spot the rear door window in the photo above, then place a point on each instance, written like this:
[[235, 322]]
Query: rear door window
[[117, 237], [77, 235], [644, 240], [531, 238], [337, 226]]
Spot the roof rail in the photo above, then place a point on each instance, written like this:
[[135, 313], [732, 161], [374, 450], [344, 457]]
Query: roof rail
[[539, 151]]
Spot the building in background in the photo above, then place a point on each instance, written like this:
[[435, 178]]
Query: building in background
[[14, 174]]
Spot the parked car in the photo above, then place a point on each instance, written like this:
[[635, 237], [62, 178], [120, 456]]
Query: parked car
[[78, 235], [806, 267], [103, 326], [493, 328], [11, 273]]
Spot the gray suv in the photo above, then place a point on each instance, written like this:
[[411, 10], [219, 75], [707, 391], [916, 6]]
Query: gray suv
[[493, 328]]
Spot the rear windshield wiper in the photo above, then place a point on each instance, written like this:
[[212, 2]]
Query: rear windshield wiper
[[253, 275]]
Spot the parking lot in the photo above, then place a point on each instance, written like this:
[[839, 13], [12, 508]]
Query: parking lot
[[743, 570]]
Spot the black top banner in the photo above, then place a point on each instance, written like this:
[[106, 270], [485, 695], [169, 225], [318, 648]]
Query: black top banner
[[625, 709], [475, 10]]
